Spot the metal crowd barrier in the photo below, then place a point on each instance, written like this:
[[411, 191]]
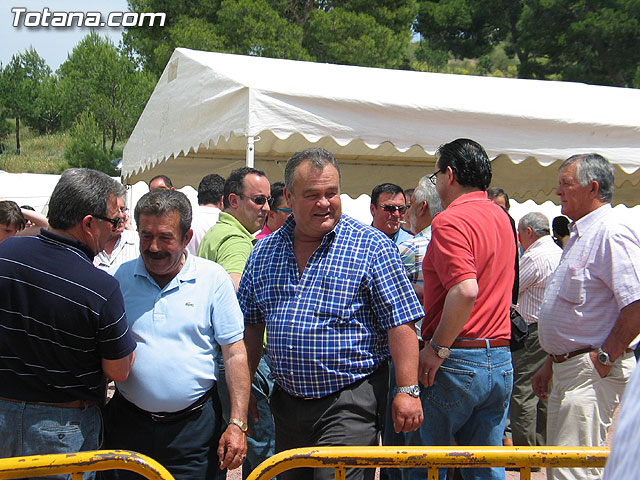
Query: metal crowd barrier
[[432, 458], [77, 463]]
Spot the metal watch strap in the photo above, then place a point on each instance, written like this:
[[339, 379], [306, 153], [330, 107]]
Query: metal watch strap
[[413, 390], [604, 358], [240, 424]]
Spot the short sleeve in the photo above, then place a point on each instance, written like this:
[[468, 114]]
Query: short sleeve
[[394, 300], [114, 338], [452, 255], [226, 317]]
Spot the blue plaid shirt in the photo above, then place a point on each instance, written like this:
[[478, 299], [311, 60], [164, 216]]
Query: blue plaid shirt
[[327, 328]]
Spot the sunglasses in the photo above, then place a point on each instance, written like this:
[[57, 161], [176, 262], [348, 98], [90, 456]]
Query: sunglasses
[[393, 208], [258, 199], [284, 210], [115, 222]]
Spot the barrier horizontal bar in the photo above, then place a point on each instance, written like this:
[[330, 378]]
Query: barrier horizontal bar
[[92, 461], [430, 457]]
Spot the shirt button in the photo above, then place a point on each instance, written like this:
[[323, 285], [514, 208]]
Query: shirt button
[[290, 347], [291, 373]]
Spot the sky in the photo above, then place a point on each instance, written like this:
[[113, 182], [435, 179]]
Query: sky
[[52, 43]]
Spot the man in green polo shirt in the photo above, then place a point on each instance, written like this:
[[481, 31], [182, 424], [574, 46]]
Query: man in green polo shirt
[[229, 243], [246, 204]]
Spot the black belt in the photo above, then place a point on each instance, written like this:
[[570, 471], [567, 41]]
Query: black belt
[[163, 417]]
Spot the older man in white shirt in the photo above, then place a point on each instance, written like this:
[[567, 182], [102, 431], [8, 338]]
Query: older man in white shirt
[[590, 314], [541, 255]]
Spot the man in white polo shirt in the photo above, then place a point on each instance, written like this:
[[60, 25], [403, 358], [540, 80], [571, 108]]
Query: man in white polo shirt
[[590, 314]]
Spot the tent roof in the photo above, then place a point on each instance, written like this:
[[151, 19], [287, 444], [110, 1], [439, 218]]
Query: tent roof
[[206, 104]]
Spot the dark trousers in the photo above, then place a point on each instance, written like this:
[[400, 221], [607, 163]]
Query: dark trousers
[[186, 447], [352, 416]]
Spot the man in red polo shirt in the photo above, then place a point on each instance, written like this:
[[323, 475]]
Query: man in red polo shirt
[[468, 277]]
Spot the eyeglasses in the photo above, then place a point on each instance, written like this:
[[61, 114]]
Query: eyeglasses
[[393, 208], [433, 176], [115, 222], [284, 210], [257, 199]]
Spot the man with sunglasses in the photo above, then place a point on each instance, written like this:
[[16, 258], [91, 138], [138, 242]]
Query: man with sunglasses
[[279, 211], [247, 194], [124, 244], [388, 207], [62, 321]]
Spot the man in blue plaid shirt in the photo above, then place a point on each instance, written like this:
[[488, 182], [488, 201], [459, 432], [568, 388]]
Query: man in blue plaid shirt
[[336, 301]]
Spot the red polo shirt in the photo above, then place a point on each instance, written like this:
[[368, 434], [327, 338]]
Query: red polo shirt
[[472, 238]]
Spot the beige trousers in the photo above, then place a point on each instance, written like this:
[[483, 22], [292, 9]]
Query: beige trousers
[[581, 407]]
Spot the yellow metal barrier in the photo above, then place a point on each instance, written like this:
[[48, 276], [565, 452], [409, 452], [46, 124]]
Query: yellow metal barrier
[[77, 463], [432, 458]]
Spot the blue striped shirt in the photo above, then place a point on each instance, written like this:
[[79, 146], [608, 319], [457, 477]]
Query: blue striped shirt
[[327, 327], [59, 317]]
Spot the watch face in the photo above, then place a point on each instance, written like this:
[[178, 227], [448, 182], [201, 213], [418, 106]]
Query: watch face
[[416, 391]]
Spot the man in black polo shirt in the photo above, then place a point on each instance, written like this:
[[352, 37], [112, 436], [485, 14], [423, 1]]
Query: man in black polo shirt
[[62, 323]]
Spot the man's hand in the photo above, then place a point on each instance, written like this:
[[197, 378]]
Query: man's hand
[[603, 370], [428, 366], [406, 413], [232, 448], [541, 380]]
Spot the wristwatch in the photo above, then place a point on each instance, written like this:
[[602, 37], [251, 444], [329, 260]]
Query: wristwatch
[[442, 352], [413, 390], [240, 424], [604, 358]]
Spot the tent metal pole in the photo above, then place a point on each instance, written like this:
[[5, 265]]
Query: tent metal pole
[[250, 151]]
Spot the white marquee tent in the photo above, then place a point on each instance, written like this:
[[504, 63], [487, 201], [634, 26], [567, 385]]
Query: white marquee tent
[[213, 112]]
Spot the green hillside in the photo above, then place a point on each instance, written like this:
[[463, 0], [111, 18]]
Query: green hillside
[[39, 153]]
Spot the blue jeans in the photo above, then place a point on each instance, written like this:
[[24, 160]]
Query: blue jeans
[[27, 429], [469, 402], [262, 442]]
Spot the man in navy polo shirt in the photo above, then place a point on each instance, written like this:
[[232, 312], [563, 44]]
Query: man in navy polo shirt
[[62, 323]]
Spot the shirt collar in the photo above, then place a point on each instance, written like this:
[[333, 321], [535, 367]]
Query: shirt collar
[[480, 195], [540, 242], [83, 247], [582, 225], [424, 233], [233, 221]]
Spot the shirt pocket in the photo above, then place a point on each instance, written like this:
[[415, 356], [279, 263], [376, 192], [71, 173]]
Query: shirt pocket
[[573, 290], [337, 297]]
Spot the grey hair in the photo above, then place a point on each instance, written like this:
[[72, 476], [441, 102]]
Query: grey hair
[[81, 192], [426, 192], [319, 158], [161, 202], [593, 167], [538, 222]]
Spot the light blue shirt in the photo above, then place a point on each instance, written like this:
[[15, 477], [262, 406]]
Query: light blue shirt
[[178, 330], [401, 236]]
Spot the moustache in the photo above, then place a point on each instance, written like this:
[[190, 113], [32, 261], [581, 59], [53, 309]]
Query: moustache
[[156, 255]]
